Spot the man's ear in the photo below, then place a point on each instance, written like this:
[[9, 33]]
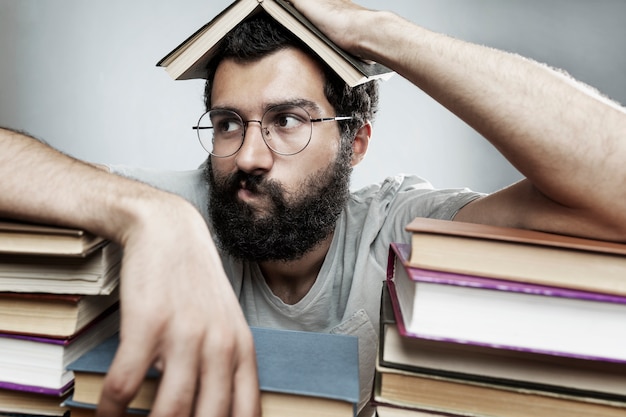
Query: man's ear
[[361, 143]]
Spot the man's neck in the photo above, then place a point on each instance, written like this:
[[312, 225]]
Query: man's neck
[[291, 281]]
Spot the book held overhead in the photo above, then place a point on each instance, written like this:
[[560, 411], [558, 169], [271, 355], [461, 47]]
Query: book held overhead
[[189, 59]]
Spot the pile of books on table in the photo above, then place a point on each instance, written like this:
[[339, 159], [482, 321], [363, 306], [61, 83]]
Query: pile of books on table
[[58, 299], [59, 322], [487, 321]]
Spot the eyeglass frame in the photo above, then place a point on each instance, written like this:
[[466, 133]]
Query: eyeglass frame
[[245, 123]]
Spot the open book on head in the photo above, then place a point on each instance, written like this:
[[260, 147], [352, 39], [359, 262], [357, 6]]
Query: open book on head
[[190, 59]]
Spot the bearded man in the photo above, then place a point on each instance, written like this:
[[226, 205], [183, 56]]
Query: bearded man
[[267, 233]]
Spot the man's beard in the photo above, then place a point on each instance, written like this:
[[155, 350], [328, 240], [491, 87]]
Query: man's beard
[[291, 225]]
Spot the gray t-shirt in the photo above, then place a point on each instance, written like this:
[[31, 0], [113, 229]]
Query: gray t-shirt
[[345, 298]]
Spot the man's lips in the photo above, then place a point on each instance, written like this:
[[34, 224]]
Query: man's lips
[[245, 195], [255, 201], [247, 192]]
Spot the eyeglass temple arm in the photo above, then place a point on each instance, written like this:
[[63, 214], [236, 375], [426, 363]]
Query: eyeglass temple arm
[[330, 119]]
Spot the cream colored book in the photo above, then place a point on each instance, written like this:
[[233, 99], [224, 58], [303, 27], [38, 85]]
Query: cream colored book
[[39, 239], [189, 60]]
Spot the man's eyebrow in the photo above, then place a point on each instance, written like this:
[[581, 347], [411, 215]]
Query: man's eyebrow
[[300, 102], [307, 104], [224, 108]]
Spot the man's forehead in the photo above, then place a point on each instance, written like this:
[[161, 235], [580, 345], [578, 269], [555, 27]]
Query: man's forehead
[[285, 75], [288, 53]]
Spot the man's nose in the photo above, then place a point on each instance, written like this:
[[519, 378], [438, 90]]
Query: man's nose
[[254, 156]]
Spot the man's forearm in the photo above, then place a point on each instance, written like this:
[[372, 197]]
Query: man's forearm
[[514, 102], [567, 139], [42, 184], [171, 276]]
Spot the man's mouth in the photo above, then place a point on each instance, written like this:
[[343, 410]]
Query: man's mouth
[[245, 194], [252, 195]]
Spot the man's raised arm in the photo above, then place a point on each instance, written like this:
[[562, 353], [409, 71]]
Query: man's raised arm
[[568, 140], [179, 311]]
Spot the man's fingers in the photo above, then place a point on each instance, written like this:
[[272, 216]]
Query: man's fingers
[[177, 388], [209, 376], [228, 381], [246, 394], [124, 378]]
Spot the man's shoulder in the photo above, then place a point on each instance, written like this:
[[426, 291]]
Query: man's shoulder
[[189, 184], [406, 197], [391, 186]]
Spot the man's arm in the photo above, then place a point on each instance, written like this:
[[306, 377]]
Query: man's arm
[[178, 308], [567, 140]]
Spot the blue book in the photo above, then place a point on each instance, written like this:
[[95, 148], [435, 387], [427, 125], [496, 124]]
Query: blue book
[[300, 373]]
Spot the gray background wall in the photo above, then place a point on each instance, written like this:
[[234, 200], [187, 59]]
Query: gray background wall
[[81, 75]]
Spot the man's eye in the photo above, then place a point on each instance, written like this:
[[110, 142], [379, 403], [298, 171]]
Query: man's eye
[[287, 121], [227, 126]]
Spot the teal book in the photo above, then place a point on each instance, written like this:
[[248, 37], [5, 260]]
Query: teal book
[[300, 373]]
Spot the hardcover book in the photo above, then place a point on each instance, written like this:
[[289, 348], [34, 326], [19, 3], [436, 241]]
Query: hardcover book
[[507, 314], [461, 397], [392, 411], [18, 403], [518, 255], [51, 315], [513, 368], [95, 273], [39, 364], [37, 239], [300, 373], [190, 59]]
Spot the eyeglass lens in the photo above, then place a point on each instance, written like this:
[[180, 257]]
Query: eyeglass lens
[[286, 130]]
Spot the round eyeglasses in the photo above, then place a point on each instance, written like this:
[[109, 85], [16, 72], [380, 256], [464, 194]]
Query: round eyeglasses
[[286, 130]]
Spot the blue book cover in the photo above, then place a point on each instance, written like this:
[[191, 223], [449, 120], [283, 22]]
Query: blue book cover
[[289, 362]]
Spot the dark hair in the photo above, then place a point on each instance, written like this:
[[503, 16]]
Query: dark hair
[[261, 36]]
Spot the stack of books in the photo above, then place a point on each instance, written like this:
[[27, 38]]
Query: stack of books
[[491, 321], [58, 299], [300, 374]]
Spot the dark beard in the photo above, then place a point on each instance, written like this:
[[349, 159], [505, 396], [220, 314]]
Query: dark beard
[[291, 228]]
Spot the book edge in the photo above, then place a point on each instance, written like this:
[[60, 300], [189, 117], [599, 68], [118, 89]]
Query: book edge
[[442, 277], [510, 234]]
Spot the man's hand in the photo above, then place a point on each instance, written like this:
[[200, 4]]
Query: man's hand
[[179, 312], [339, 20]]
